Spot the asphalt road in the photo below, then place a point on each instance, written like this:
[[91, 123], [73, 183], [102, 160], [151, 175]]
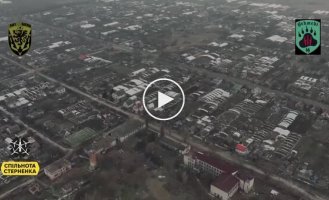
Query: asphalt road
[[40, 135], [178, 138], [8, 192], [227, 156]]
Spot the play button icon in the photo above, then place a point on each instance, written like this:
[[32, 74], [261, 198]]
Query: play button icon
[[163, 99]]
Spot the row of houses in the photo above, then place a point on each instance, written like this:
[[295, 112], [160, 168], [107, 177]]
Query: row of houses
[[282, 128]]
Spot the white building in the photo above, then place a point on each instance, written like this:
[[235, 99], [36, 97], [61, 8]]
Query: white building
[[288, 119], [226, 185], [202, 162], [305, 83], [228, 180], [215, 96], [60, 90], [246, 182], [119, 95], [57, 169]]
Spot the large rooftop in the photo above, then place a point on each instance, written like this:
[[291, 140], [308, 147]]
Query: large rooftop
[[219, 164], [225, 182]]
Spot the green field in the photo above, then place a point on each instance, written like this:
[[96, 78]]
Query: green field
[[80, 137]]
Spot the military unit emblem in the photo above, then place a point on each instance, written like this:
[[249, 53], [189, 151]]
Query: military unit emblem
[[19, 37], [308, 36], [19, 147]]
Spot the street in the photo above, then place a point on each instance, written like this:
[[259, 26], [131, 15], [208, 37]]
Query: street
[[178, 138]]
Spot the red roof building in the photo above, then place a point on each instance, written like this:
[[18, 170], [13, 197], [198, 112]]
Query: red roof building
[[241, 149], [225, 186], [83, 56], [228, 180], [203, 162]]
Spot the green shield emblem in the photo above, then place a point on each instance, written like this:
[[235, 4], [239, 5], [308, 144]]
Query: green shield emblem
[[308, 36], [19, 37]]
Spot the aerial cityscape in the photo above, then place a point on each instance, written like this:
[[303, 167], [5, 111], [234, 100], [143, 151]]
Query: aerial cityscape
[[164, 100]]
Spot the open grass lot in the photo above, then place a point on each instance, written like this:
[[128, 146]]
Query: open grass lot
[[157, 190], [141, 171]]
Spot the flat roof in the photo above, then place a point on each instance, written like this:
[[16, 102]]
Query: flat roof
[[57, 165], [125, 129]]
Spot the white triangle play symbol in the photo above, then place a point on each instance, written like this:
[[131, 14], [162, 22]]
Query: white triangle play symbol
[[163, 99]]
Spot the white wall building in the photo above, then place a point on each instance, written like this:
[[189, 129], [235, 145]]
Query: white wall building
[[228, 180], [57, 169]]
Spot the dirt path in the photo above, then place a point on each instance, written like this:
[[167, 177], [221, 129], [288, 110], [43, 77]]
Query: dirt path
[[157, 190]]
